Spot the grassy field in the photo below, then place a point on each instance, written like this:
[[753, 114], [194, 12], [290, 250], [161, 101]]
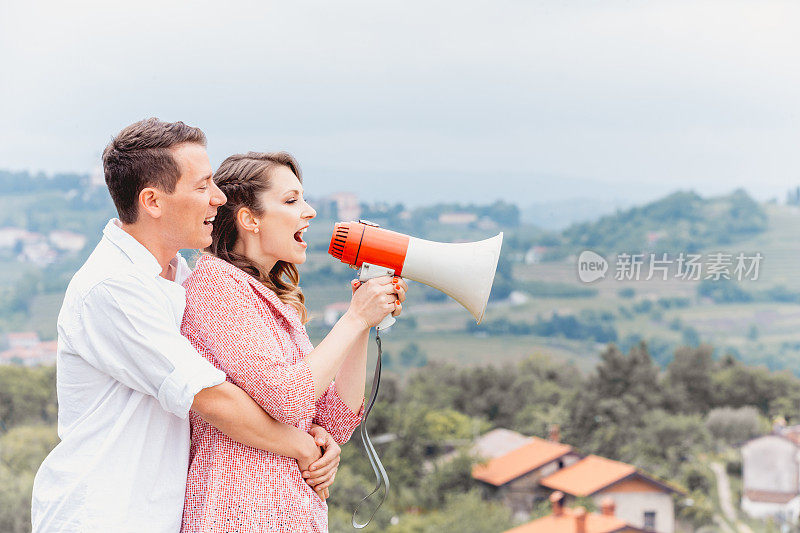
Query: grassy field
[[471, 350]]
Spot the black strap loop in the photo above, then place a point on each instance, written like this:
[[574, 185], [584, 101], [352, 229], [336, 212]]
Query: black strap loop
[[381, 479]]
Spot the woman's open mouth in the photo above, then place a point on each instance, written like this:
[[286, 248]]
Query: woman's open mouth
[[209, 220], [298, 236]]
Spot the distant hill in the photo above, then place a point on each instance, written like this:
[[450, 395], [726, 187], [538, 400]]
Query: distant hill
[[561, 214], [682, 221]]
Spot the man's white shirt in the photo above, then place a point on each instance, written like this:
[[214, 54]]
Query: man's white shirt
[[126, 380]]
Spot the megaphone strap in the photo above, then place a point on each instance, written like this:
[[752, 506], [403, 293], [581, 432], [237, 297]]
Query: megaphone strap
[[381, 478]]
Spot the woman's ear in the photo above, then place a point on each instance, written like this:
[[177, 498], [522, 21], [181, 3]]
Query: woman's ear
[[246, 220], [150, 202]]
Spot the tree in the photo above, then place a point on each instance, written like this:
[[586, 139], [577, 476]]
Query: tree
[[413, 356], [15, 501], [24, 448], [606, 412], [462, 512], [732, 425], [665, 442], [453, 476], [27, 395], [689, 379], [634, 374]]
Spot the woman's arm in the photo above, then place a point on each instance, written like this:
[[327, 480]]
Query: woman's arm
[[353, 373], [343, 352]]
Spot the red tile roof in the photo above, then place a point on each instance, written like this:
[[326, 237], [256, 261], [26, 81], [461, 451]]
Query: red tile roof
[[769, 496], [587, 476], [520, 461], [566, 523]]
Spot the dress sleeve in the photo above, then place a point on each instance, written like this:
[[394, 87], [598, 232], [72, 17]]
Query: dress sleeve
[[335, 416], [125, 331], [223, 316]]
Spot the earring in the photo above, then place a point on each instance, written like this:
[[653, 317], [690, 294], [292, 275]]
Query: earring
[[255, 230]]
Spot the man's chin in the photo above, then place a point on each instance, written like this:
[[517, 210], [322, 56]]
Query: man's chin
[[201, 244]]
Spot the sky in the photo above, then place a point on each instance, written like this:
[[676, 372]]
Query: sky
[[421, 102]]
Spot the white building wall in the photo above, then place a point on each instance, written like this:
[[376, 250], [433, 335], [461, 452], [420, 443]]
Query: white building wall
[[631, 506], [769, 463], [790, 511], [552, 467]]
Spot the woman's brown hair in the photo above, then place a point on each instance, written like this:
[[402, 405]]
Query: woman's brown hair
[[242, 177]]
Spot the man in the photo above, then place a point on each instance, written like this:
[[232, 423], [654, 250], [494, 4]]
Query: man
[[126, 377]]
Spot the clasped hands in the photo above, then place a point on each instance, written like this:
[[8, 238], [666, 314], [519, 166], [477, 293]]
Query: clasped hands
[[319, 468]]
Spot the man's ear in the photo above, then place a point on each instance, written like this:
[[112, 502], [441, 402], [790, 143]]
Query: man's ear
[[246, 220], [150, 202]]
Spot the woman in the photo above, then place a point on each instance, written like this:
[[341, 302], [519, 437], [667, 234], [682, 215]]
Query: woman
[[246, 313]]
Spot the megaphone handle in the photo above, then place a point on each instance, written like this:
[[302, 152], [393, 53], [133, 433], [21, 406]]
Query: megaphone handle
[[381, 478], [387, 321], [369, 271]]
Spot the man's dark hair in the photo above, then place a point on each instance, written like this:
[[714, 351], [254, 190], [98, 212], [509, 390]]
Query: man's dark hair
[[139, 157]]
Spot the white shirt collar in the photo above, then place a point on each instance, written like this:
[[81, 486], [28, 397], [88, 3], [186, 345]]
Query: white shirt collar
[[136, 252]]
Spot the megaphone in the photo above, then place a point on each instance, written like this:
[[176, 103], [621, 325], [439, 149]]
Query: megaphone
[[463, 271]]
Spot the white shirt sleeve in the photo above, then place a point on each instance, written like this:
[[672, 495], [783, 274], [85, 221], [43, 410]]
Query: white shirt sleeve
[[129, 333]]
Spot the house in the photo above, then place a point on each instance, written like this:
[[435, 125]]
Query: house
[[22, 339], [334, 312], [347, 206], [42, 353], [640, 500], [498, 442], [38, 252], [67, 241], [566, 520], [514, 476], [9, 236], [457, 219], [534, 255], [771, 475]]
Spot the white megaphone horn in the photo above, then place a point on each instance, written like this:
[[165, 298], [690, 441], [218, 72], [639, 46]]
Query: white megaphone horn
[[463, 271]]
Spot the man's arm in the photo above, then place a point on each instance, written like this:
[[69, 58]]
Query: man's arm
[[229, 409]]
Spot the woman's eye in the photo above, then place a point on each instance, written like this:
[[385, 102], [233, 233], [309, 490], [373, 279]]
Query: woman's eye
[[291, 201]]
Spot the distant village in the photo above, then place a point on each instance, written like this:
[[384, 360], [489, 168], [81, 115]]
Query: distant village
[[523, 471], [37, 248]]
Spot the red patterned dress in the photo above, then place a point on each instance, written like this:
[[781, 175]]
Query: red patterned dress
[[242, 327]]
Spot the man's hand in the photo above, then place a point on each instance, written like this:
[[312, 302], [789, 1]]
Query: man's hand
[[321, 473]]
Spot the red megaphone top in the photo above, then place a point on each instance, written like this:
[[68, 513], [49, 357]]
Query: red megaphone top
[[355, 243]]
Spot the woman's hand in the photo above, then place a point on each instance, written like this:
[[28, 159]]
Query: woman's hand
[[384, 295], [321, 473]]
